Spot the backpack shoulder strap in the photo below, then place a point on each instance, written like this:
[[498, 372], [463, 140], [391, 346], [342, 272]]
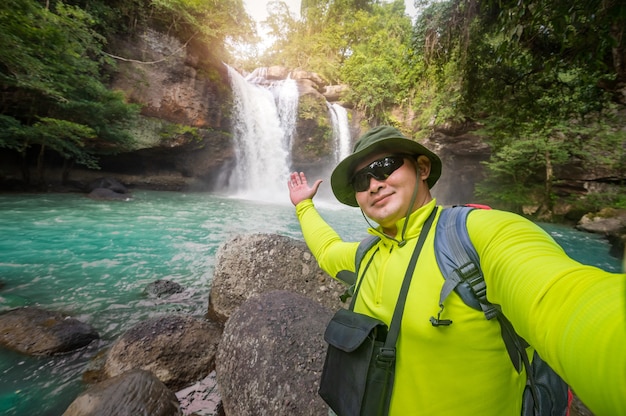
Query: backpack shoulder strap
[[460, 265], [350, 278], [459, 262]]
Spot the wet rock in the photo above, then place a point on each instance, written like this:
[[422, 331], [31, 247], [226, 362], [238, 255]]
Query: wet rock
[[107, 183], [136, 392], [271, 356], [248, 265], [163, 288], [178, 349], [35, 331], [102, 194]]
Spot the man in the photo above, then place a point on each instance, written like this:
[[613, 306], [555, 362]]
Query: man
[[572, 314]]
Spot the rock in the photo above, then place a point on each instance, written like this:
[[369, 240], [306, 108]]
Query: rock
[[611, 223], [316, 78], [308, 87], [135, 392], [178, 349], [201, 399], [608, 221], [107, 183], [335, 92], [163, 288], [102, 194], [248, 265], [35, 331], [276, 72], [271, 356]]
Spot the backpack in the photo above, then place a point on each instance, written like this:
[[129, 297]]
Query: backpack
[[545, 394]]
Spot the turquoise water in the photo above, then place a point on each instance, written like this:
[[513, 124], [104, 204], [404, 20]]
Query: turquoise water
[[93, 260]]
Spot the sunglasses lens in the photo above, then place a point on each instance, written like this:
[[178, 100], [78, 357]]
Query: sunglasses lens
[[379, 169], [361, 182]]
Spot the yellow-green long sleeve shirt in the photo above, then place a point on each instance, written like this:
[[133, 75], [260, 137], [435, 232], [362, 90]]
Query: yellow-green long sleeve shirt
[[573, 314]]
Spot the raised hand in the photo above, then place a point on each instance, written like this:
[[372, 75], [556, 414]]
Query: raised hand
[[299, 189]]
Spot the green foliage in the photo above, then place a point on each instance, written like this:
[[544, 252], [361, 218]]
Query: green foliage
[[173, 131], [52, 95], [375, 61], [331, 33], [309, 108], [597, 201], [212, 21], [537, 75], [64, 137]]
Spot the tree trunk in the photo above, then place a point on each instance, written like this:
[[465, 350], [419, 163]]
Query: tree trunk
[[548, 187], [67, 167], [24, 168], [40, 165]]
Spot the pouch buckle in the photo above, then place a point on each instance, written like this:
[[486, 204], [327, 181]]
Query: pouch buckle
[[386, 356]]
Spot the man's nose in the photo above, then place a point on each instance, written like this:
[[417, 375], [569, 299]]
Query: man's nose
[[375, 184]]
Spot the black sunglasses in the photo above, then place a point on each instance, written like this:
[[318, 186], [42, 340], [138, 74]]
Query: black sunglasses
[[379, 169]]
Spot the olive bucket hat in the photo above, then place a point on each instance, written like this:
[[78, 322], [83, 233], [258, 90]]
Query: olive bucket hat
[[378, 139]]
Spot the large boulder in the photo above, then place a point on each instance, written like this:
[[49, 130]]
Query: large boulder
[[178, 349], [136, 392], [271, 356], [248, 265], [36, 331]]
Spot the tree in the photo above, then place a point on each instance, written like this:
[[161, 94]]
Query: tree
[[376, 60], [52, 96], [538, 75]]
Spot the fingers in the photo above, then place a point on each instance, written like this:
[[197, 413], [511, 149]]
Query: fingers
[[296, 179]]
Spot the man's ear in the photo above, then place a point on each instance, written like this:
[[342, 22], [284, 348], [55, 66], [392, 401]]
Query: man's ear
[[423, 167]]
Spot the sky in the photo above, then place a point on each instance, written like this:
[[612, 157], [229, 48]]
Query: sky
[[258, 11]]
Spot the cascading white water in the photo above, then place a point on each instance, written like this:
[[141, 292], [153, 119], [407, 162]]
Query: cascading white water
[[341, 131], [264, 119]]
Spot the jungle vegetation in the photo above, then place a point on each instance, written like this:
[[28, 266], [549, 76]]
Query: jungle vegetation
[[542, 78]]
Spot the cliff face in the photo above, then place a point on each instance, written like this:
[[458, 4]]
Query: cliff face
[[185, 137], [184, 134]]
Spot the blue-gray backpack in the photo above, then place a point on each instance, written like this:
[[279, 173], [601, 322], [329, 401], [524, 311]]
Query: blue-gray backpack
[[546, 394]]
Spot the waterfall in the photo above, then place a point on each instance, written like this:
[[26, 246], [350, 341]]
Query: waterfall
[[264, 119], [341, 131]]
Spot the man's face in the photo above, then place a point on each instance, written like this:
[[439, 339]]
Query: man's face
[[387, 200]]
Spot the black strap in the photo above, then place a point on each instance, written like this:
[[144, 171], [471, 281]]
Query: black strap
[[394, 328], [358, 286]]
